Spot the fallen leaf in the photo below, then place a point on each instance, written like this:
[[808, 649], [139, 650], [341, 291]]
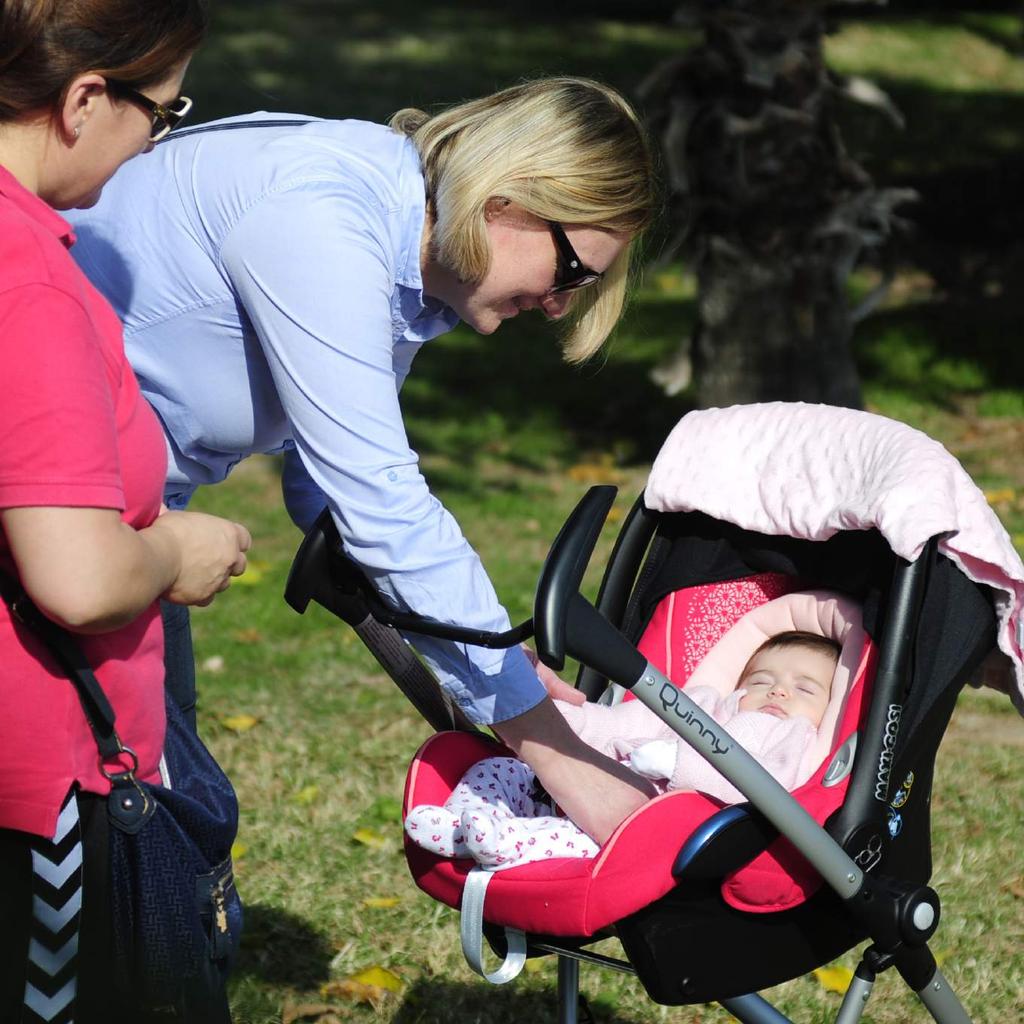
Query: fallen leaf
[[248, 636], [215, 663], [307, 795], [372, 986], [381, 902], [369, 837], [238, 851], [379, 977], [349, 989], [594, 473], [239, 723], [253, 574], [668, 282], [834, 979], [999, 495], [304, 1011], [1015, 887]]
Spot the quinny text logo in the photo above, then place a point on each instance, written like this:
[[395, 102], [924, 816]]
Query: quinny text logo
[[892, 728], [669, 696]]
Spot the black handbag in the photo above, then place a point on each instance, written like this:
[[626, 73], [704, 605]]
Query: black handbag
[[176, 914]]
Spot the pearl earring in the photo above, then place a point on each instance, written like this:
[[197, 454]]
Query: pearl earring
[[77, 131]]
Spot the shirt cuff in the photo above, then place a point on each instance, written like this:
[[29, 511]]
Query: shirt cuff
[[489, 686]]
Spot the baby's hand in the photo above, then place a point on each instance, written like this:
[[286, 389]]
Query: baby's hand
[[654, 760]]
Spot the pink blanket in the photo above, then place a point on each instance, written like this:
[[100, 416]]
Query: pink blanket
[[809, 471]]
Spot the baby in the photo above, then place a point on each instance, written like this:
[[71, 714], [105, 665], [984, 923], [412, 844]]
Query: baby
[[498, 816]]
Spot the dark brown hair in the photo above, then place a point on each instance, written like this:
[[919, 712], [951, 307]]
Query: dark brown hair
[[800, 638], [46, 44]]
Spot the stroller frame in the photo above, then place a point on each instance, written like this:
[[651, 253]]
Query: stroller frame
[[898, 913]]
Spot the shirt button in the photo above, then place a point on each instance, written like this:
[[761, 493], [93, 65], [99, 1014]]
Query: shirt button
[[392, 476]]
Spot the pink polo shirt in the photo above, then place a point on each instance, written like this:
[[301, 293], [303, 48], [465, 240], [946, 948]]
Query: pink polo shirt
[[74, 431]]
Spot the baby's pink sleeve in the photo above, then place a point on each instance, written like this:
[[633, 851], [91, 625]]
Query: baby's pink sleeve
[[607, 728], [778, 745]]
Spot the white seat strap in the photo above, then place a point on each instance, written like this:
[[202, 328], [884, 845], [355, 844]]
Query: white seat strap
[[471, 929]]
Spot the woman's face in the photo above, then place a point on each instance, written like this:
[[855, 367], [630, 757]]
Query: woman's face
[[524, 261], [111, 130]]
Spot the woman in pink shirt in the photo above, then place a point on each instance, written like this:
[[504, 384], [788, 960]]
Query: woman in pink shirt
[[84, 86]]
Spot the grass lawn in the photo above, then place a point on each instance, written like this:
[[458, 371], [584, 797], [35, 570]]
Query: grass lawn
[[317, 740]]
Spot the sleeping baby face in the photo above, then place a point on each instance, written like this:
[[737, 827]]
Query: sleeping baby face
[[788, 681]]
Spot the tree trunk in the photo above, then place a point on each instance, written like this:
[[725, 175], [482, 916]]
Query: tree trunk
[[771, 210], [768, 331]]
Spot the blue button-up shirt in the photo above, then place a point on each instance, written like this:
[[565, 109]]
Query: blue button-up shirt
[[267, 271]]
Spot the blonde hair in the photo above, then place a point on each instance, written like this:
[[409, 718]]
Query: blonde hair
[[564, 149]]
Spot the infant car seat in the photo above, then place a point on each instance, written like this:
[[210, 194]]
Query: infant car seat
[[581, 897], [713, 903]]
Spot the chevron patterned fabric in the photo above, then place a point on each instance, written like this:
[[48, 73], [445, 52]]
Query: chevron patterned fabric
[[51, 977]]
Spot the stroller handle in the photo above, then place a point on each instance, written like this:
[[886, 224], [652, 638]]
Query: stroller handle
[[562, 574], [323, 572]]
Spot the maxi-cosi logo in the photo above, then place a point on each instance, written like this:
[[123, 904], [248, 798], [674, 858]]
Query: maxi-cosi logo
[[892, 728], [669, 697]]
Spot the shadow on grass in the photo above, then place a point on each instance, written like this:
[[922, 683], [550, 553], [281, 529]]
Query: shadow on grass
[[937, 351], [432, 1000], [510, 397], [347, 58], [1007, 33], [282, 949], [943, 128]]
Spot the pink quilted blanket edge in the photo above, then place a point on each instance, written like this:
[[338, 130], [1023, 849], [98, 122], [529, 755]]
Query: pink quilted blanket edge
[[809, 471]]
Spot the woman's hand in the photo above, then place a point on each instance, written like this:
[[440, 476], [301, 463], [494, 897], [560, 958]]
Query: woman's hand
[[558, 688], [596, 792], [91, 572], [211, 551]]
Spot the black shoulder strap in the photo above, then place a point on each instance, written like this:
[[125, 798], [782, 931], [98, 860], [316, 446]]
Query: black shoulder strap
[[98, 711]]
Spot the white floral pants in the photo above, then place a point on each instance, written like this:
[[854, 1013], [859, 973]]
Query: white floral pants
[[493, 817]]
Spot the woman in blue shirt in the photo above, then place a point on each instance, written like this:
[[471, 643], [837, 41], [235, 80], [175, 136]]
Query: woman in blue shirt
[[276, 275]]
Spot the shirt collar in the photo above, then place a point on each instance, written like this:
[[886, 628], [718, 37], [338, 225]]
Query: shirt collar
[[32, 206], [430, 318], [425, 317]]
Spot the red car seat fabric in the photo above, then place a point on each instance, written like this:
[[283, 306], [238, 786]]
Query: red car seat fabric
[[580, 897], [688, 623]]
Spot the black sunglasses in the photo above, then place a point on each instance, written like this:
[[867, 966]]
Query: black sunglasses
[[165, 118], [571, 272]]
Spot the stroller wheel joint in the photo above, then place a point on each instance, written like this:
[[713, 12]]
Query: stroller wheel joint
[[897, 914]]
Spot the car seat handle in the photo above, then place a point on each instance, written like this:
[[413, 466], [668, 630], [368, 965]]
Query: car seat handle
[[563, 571]]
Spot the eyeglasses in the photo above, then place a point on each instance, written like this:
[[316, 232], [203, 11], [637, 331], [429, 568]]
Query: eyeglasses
[[165, 118], [571, 273]]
